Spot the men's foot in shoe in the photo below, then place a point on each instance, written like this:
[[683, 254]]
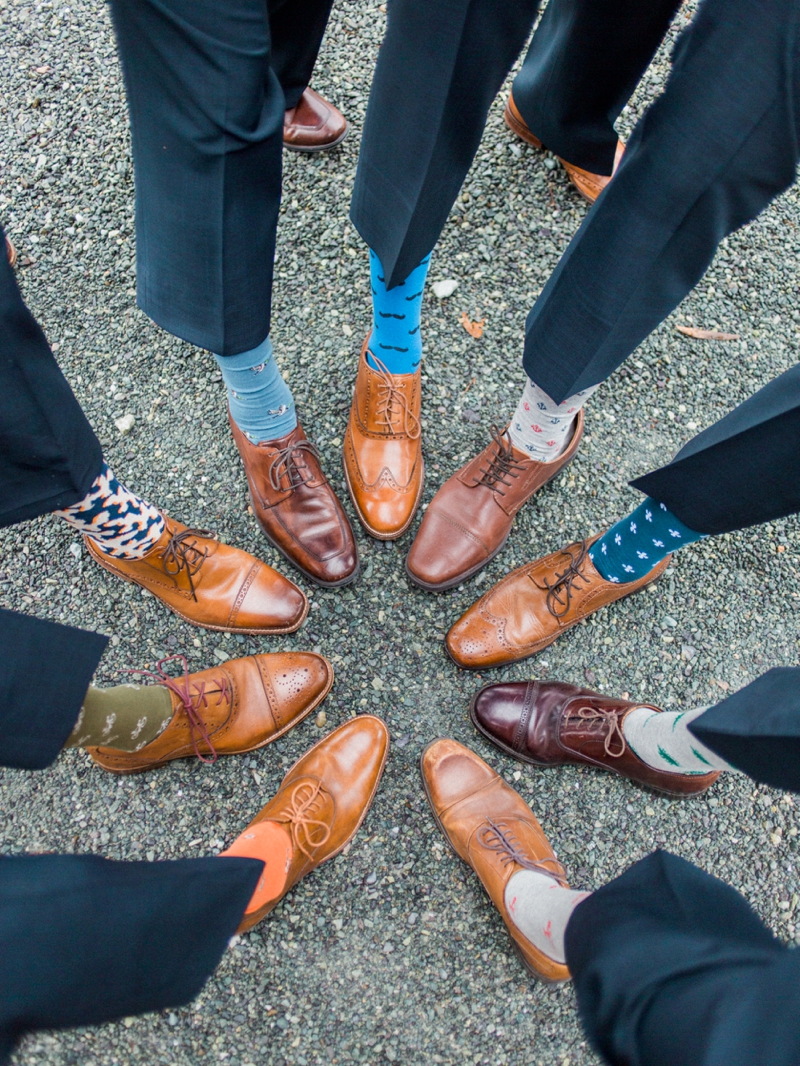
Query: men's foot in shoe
[[210, 584], [296, 507], [469, 519], [492, 829], [532, 606], [383, 463], [588, 184], [318, 808], [313, 125], [239, 706], [551, 723]]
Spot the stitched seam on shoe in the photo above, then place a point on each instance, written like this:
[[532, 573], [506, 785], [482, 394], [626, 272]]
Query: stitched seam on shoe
[[243, 590], [462, 529], [522, 724]]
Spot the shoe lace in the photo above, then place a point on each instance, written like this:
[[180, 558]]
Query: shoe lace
[[497, 837], [611, 719], [502, 465], [565, 582], [181, 553], [289, 462], [191, 703], [298, 816], [389, 396]]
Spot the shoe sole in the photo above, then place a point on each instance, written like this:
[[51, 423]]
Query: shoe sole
[[239, 751], [395, 534], [531, 139], [311, 149], [276, 632]]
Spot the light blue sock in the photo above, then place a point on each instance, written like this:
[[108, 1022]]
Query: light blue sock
[[261, 402], [396, 339], [632, 547]]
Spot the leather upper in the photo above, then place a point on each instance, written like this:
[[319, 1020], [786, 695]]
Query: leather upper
[[313, 124]]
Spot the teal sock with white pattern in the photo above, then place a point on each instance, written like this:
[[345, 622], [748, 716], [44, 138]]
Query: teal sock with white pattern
[[663, 740]]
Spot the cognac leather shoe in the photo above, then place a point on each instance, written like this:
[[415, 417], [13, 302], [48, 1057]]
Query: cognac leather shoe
[[313, 125], [468, 521], [238, 706], [322, 802], [211, 584], [589, 185], [490, 827], [383, 462], [550, 723], [533, 605], [296, 507], [11, 253]]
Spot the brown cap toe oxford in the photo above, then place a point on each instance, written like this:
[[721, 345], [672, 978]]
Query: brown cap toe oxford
[[313, 125]]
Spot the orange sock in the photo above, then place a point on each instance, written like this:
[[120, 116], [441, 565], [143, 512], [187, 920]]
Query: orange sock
[[272, 844]]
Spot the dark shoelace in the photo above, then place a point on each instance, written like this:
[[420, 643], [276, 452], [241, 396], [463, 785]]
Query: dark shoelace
[[497, 837], [502, 466], [290, 462], [565, 582], [179, 554]]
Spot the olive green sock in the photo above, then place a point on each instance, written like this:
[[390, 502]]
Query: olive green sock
[[125, 717]]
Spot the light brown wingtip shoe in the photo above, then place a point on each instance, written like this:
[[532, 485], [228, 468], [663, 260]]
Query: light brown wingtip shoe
[[492, 829]]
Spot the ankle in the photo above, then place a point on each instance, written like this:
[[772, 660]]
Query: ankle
[[272, 844], [541, 908], [541, 428]]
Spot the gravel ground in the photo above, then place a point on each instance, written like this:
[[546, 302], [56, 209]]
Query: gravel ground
[[391, 953]]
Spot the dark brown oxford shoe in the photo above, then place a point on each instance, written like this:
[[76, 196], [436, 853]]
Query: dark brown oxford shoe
[[551, 723], [313, 125]]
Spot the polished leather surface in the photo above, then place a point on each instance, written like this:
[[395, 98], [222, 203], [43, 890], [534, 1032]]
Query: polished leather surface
[[383, 461], [243, 704], [551, 723], [533, 605], [325, 797], [11, 252], [296, 507], [588, 184], [469, 519], [211, 584], [314, 125], [469, 802]]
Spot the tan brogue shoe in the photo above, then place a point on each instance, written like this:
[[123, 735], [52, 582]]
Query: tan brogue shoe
[[588, 184], [296, 507], [211, 584], [492, 829], [313, 125], [230, 709], [318, 808], [551, 723], [383, 462], [533, 605], [468, 521]]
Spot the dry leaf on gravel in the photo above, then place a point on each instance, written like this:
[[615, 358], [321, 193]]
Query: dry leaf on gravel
[[475, 329], [706, 334]]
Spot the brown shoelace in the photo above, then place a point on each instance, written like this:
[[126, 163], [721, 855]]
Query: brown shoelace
[[179, 554], [610, 717], [502, 466], [389, 396], [565, 582], [290, 462], [496, 837], [191, 703], [299, 818]]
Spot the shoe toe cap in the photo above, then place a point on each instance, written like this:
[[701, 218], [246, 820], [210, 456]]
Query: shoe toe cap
[[451, 772], [442, 551], [497, 710], [299, 680], [270, 603], [473, 642]]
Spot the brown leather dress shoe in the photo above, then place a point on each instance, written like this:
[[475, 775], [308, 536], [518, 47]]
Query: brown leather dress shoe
[[296, 507], [588, 184], [313, 125], [11, 252], [239, 706], [383, 462], [211, 584], [550, 723], [468, 521], [491, 828], [533, 605], [322, 802]]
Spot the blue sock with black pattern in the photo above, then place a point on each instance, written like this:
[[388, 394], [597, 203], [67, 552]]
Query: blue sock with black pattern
[[396, 342], [632, 547]]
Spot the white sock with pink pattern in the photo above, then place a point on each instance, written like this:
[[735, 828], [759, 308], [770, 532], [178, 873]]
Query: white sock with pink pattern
[[542, 428], [540, 908]]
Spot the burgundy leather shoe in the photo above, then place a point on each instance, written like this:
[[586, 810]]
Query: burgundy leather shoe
[[297, 509], [550, 723], [313, 125]]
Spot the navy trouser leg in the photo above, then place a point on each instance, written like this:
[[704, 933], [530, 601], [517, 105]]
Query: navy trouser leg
[[718, 145], [206, 113], [672, 968], [297, 28], [583, 64]]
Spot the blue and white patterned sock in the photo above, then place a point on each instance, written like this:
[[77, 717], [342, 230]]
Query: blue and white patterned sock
[[121, 524], [396, 315], [260, 401], [632, 547]]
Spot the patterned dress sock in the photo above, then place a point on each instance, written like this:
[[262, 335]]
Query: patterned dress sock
[[542, 428], [396, 342], [540, 908], [663, 740], [260, 401], [125, 717], [121, 525], [632, 547]]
